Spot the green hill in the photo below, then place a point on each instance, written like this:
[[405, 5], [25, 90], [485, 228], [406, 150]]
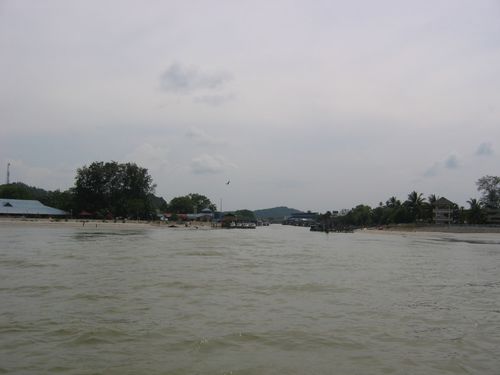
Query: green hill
[[276, 213]]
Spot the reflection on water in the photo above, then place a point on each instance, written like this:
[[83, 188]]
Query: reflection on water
[[273, 300]]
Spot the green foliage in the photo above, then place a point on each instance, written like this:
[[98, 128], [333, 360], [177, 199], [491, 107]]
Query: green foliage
[[475, 214], [113, 188], [64, 200], [361, 215], [245, 215], [489, 186], [200, 202], [16, 191], [181, 205], [158, 203], [415, 204], [190, 203]]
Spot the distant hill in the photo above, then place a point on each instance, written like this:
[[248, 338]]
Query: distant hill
[[277, 213]]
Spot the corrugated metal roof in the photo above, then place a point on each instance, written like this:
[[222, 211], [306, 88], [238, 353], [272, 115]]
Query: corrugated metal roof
[[27, 207]]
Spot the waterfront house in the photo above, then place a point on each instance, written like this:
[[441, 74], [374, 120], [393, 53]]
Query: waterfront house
[[493, 215], [443, 210], [302, 219], [28, 208]]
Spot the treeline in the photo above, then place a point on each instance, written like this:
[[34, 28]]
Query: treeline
[[109, 190], [417, 209]]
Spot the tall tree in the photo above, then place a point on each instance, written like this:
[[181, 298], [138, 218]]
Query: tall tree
[[432, 199], [393, 202], [475, 214], [427, 209], [181, 205], [489, 186], [113, 188], [415, 203], [200, 202], [190, 203]]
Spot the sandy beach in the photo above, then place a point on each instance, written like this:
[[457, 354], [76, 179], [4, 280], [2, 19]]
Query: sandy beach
[[100, 224], [134, 225]]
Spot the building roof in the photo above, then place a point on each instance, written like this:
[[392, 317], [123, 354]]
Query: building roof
[[443, 202], [27, 207]]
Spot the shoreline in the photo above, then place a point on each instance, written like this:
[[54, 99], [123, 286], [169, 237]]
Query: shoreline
[[134, 225], [461, 229], [102, 224]]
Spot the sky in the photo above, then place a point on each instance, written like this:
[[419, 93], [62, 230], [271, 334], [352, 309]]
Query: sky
[[311, 104]]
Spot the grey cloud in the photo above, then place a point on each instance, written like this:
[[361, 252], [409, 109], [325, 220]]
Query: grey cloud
[[451, 162], [432, 171], [437, 168], [188, 79], [484, 149]]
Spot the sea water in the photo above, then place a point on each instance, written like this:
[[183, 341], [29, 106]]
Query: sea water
[[274, 300]]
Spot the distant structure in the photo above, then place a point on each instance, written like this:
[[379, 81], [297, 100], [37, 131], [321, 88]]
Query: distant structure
[[27, 208], [8, 173], [444, 211], [302, 219]]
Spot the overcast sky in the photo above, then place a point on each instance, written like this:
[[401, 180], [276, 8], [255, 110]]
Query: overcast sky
[[316, 105]]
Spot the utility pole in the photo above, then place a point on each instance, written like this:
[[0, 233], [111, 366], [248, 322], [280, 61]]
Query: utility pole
[[8, 173]]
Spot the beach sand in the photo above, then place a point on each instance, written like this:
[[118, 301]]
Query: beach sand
[[102, 224]]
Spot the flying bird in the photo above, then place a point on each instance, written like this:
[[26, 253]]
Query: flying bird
[[228, 182]]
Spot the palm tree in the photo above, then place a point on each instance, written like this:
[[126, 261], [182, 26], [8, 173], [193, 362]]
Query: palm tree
[[475, 214], [393, 202], [428, 208], [415, 203], [432, 199]]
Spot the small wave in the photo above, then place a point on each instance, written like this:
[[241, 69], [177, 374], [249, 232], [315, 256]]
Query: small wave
[[296, 288], [77, 337], [33, 290], [287, 340], [203, 253], [469, 241], [94, 297], [24, 263], [491, 284], [179, 285]]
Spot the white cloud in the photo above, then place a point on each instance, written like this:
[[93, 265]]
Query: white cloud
[[209, 164], [451, 162], [201, 137]]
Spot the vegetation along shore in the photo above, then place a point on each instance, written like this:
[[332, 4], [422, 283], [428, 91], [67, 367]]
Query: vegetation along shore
[[114, 193]]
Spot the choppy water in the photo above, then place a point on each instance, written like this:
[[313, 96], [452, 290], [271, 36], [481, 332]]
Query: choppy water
[[275, 300]]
